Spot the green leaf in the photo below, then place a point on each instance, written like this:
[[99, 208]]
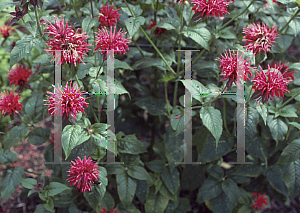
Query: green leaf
[[277, 127], [56, 188], [215, 171], [7, 156], [211, 188], [290, 153], [88, 24], [133, 24], [287, 111], [98, 86], [14, 135], [94, 70], [196, 88], [154, 106], [136, 9], [114, 169], [221, 204], [171, 180], [212, 119], [291, 177], [294, 24], [22, 48], [156, 203], [38, 136], [171, 13], [263, 111], [192, 177], [252, 118], [6, 4], [126, 188], [230, 188], [248, 170], [31, 26], [34, 106], [142, 190], [283, 42], [255, 147], [29, 183], [295, 124], [183, 206], [121, 64], [83, 70], [130, 144], [165, 25], [156, 166], [201, 36], [10, 181], [139, 173], [69, 138], [149, 62], [275, 177], [227, 33]]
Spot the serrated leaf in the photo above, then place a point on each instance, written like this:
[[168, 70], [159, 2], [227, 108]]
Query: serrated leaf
[[231, 190], [156, 166], [263, 111], [171, 180], [22, 48], [156, 203], [34, 106], [277, 127], [142, 190], [154, 106], [14, 135], [211, 188], [275, 177], [10, 181], [295, 124], [136, 9], [126, 188], [6, 4], [287, 111], [70, 136], [129, 144], [121, 64], [221, 204], [38, 136], [56, 188], [196, 88], [7, 156], [133, 24], [292, 177], [139, 173], [200, 36], [88, 24], [290, 153], [29, 183], [212, 119], [227, 33]]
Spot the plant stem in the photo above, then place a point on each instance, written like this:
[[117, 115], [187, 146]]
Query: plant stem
[[38, 24], [167, 101], [99, 69], [202, 51], [76, 12], [295, 14], [38, 131], [59, 7], [285, 103], [207, 103], [224, 115]]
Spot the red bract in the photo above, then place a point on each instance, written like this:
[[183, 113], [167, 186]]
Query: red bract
[[259, 37], [109, 16], [69, 100], [111, 211], [213, 7], [9, 102], [19, 75], [270, 83], [284, 68], [83, 173], [229, 70], [158, 30], [112, 41], [70, 43], [259, 200], [4, 31]]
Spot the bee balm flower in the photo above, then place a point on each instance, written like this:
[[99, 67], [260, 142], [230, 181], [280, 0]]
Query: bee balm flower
[[9, 102], [213, 7], [19, 75], [109, 16], [259, 200]]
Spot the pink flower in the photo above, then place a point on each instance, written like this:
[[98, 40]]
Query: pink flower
[[158, 30], [109, 16], [70, 43], [112, 41], [259, 200], [270, 83], [4, 31], [83, 173], [213, 7], [9, 102], [284, 68], [69, 100], [229, 70], [111, 211], [259, 38], [19, 75]]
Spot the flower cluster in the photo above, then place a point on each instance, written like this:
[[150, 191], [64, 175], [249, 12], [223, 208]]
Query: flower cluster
[[68, 100], [211, 7], [9, 102], [4, 31], [259, 200], [259, 37], [109, 16], [19, 75], [83, 173], [284, 69], [65, 39]]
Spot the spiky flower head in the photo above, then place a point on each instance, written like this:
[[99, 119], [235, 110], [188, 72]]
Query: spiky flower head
[[284, 69], [19, 75], [259, 37], [71, 44], [112, 41], [82, 173], [270, 83], [229, 64], [259, 200], [109, 16], [66, 100], [211, 7], [9, 102], [4, 31]]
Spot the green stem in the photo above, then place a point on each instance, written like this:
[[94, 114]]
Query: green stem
[[224, 115], [285, 103], [295, 14], [202, 51], [38, 24], [154, 46], [138, 47], [167, 101], [99, 69], [76, 12], [207, 103], [59, 7], [38, 132], [92, 109]]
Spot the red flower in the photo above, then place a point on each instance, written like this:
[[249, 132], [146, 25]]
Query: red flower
[[259, 38], [229, 70], [158, 30], [213, 7], [19, 75], [109, 16], [112, 41], [270, 83], [71, 43], [259, 200], [4, 31], [69, 100], [83, 173], [9, 102], [111, 211], [284, 68]]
